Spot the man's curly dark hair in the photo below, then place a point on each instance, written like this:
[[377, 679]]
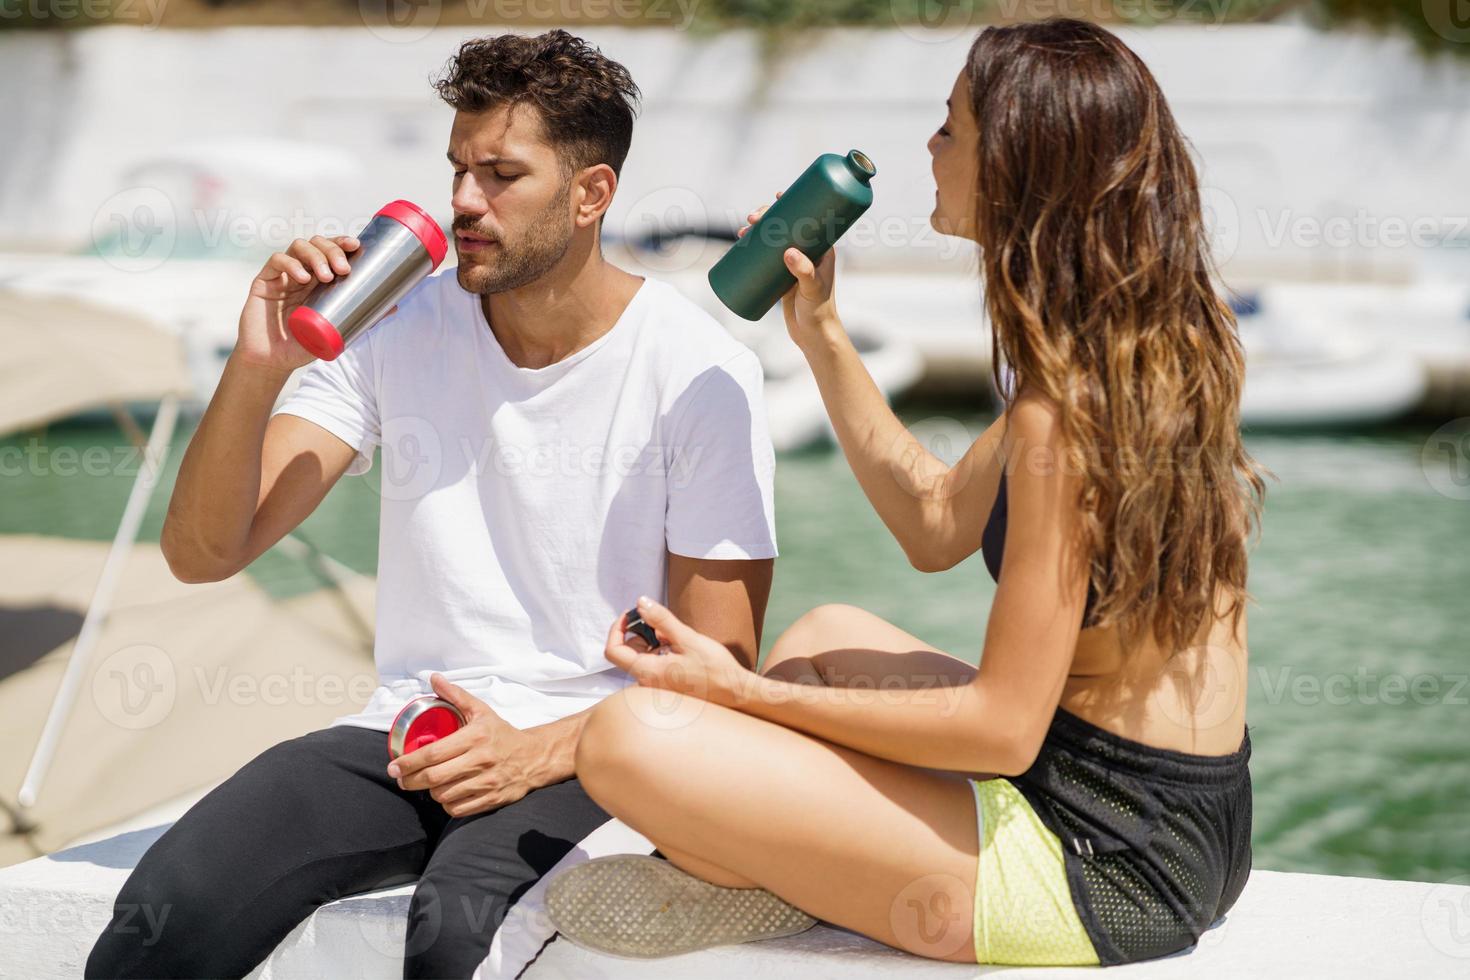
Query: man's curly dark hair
[[586, 100]]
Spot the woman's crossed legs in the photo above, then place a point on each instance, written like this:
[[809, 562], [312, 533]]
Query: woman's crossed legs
[[885, 849]]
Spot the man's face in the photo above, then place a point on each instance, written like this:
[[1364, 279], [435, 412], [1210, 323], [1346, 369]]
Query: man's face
[[512, 207]]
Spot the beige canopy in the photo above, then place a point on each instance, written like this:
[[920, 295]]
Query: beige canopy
[[60, 356], [186, 682]]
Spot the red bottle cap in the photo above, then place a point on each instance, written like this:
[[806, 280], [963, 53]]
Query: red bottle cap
[[315, 332], [424, 228], [422, 720]]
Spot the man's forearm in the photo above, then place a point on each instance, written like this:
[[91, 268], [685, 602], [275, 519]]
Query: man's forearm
[[558, 742], [218, 487]]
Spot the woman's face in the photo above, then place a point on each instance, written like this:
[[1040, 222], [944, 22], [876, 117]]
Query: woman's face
[[954, 150]]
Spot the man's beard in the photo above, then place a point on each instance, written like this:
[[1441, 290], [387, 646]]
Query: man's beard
[[548, 239]]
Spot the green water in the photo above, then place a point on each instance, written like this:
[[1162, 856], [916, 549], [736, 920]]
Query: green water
[[1360, 644]]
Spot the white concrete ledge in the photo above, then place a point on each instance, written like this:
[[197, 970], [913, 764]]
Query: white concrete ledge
[[1285, 925]]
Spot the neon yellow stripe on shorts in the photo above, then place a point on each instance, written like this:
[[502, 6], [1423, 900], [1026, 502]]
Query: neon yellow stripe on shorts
[[1024, 914]]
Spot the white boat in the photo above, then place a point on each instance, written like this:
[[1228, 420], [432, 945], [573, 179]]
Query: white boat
[[1314, 365], [1298, 374], [1302, 369], [798, 418]]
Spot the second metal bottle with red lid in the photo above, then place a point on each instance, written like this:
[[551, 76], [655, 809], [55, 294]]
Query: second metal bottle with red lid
[[397, 249]]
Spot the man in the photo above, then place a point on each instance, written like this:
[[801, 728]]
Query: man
[[558, 437]]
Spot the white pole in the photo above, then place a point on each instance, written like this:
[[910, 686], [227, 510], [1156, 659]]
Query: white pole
[[117, 556]]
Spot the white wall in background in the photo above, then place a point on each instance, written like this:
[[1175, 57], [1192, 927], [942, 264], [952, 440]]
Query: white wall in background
[[1294, 128]]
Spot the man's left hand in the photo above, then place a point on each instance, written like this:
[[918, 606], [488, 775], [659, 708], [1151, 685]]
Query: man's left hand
[[486, 764]]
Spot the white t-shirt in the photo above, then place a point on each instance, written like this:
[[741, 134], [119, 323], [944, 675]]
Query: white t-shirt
[[524, 509]]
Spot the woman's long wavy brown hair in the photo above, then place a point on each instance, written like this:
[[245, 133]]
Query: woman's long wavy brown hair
[[1100, 289]]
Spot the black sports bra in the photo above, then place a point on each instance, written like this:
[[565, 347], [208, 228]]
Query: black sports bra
[[993, 543]]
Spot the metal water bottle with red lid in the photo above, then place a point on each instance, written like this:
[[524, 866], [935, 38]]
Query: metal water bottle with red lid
[[397, 249]]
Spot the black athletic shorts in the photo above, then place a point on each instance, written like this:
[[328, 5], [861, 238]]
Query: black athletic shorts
[[1157, 844]]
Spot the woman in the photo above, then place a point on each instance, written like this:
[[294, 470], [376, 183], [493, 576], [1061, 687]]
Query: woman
[[1083, 797]]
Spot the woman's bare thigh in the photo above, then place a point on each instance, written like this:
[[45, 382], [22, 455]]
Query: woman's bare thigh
[[882, 848], [846, 646]]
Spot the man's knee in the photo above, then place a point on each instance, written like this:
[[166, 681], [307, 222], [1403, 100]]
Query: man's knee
[[607, 725], [151, 916], [171, 917], [451, 926]]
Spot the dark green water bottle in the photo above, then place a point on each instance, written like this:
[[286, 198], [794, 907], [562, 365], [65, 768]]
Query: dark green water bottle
[[811, 214]]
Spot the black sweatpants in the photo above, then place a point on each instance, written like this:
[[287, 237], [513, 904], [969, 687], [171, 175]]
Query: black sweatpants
[[311, 820]]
